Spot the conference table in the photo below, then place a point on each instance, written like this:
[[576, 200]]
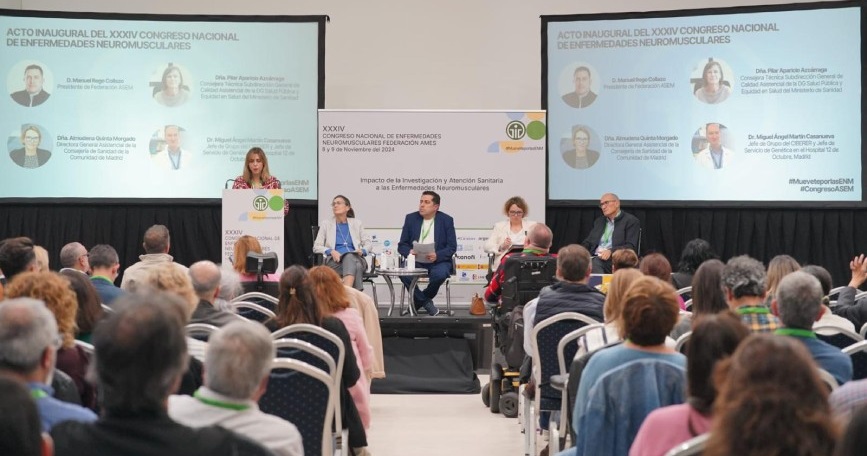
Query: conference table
[[392, 273]]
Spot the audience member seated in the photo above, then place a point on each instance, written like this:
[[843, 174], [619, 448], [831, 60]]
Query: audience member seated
[[365, 306], [828, 318], [156, 244], [571, 293], [28, 349], [743, 281], [536, 244], [770, 400], [613, 231], [715, 337], [89, 308], [205, 278], [334, 302], [244, 245], [230, 288], [140, 358], [855, 439], [41, 258], [798, 304], [73, 256], [847, 399], [105, 267], [298, 304], [176, 282], [856, 312], [620, 259], [649, 313], [657, 265], [20, 430], [238, 364], [707, 296], [17, 256], [612, 309], [54, 290], [694, 253], [779, 267]]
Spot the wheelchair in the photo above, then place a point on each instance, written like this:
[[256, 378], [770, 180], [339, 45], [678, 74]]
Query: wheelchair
[[524, 277]]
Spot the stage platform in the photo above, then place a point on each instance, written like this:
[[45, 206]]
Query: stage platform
[[439, 354]]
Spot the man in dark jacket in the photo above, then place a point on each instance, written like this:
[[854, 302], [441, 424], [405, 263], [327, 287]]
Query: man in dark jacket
[[615, 230], [572, 293]]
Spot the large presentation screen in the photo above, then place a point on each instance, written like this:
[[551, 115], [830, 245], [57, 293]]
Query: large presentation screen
[[724, 105], [156, 107]]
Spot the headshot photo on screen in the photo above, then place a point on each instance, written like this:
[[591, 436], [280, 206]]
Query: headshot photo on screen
[[576, 84], [579, 148], [170, 90], [27, 84], [709, 149], [166, 148], [26, 150], [711, 81]]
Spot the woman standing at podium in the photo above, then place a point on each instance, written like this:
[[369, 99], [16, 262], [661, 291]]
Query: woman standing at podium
[[257, 175], [343, 242]]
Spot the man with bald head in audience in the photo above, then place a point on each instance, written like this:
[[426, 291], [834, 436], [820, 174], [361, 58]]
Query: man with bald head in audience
[[798, 303], [29, 342], [140, 356], [157, 243], [237, 367], [73, 256], [205, 276], [537, 244], [743, 281]]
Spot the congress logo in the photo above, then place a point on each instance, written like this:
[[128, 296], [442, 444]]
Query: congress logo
[[516, 130], [260, 203]]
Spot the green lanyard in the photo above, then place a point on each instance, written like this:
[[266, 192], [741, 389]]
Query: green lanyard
[[220, 404], [425, 233], [806, 333], [38, 394], [753, 310]]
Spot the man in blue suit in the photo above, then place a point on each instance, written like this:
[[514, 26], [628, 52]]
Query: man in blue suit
[[427, 226]]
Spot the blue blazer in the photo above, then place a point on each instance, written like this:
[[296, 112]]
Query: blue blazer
[[445, 239]]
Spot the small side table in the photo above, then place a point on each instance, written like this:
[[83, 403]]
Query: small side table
[[413, 274]]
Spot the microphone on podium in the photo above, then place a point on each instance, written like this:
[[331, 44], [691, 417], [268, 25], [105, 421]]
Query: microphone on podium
[[228, 182]]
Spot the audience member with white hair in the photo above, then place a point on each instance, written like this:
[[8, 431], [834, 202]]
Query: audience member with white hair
[[239, 361]]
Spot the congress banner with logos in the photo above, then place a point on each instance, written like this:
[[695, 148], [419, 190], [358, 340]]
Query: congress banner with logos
[[475, 161]]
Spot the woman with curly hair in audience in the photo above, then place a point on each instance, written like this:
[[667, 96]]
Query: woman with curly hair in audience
[[55, 291], [714, 338], [89, 307], [297, 303], [707, 296], [334, 301], [771, 401]]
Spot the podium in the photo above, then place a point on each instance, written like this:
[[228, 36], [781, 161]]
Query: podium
[[254, 212]]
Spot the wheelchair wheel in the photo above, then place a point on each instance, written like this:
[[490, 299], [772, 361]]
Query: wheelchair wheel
[[494, 399], [509, 404], [486, 394]]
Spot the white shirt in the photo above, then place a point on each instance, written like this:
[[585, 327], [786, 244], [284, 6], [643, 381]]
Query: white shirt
[[274, 433]]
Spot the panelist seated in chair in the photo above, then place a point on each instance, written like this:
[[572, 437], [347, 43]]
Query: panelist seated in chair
[[537, 244], [614, 231], [429, 226], [344, 243]]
